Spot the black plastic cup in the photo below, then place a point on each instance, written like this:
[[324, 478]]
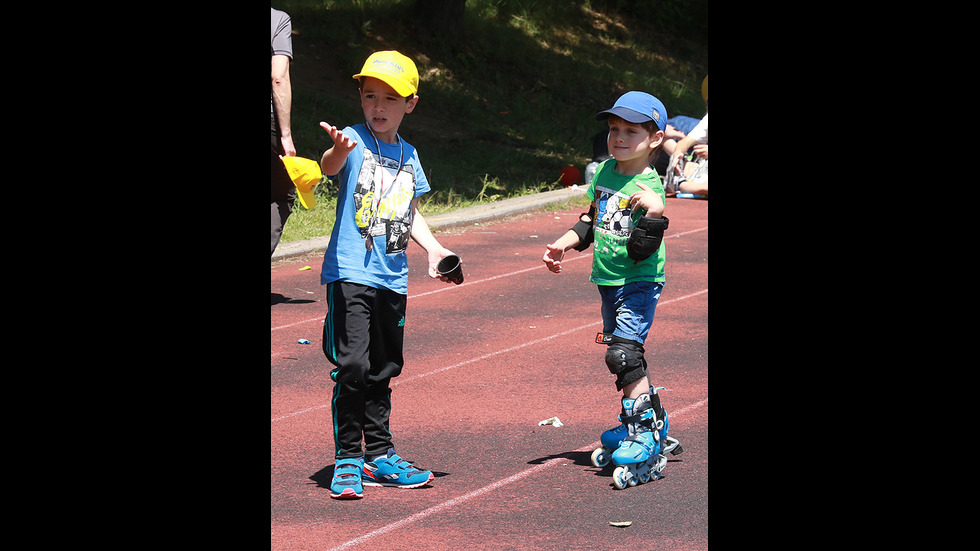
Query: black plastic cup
[[452, 268]]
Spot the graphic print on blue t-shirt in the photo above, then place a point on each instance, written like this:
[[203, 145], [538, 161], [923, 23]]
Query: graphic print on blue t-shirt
[[383, 201]]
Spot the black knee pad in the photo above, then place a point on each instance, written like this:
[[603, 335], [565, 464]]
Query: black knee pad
[[624, 358]]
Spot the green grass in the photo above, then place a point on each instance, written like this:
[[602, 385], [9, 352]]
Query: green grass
[[502, 111]]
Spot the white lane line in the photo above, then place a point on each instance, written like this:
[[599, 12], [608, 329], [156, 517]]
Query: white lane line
[[447, 288], [401, 380], [486, 489]]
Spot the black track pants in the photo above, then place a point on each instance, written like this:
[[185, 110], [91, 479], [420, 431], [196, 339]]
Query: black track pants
[[362, 336]]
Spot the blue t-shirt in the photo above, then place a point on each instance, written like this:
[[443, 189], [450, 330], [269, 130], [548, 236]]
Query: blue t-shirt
[[374, 203]]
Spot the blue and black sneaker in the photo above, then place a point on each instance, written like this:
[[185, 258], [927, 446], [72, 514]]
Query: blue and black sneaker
[[346, 483], [394, 471]]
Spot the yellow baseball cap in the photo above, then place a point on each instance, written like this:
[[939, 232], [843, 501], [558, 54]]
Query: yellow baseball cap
[[305, 174], [704, 88], [393, 68]]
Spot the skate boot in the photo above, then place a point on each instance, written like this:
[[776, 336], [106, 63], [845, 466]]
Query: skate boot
[[609, 441], [668, 444], [638, 458], [612, 438]]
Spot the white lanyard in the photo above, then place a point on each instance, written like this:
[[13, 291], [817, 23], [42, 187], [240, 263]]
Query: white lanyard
[[369, 240]]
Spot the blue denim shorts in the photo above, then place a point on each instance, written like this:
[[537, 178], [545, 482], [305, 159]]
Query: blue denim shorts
[[627, 310]]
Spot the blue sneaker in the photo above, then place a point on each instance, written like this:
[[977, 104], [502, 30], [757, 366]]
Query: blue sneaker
[[394, 471], [346, 483]]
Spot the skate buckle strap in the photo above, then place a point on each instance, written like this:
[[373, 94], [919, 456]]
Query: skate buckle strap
[[635, 438], [644, 415]]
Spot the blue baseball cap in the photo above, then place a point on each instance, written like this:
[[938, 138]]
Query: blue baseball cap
[[637, 107]]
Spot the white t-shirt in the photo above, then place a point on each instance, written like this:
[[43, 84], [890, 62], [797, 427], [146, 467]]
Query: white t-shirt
[[700, 132]]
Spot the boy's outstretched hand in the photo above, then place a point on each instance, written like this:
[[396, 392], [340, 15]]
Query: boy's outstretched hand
[[339, 138], [552, 257], [333, 159]]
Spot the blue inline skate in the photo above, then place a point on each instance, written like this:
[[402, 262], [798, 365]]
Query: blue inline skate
[[641, 454], [611, 440], [638, 458]]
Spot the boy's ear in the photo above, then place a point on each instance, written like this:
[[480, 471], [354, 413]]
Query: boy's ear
[[657, 139], [411, 104]]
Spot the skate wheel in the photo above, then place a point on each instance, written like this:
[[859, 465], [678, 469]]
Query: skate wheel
[[600, 458], [645, 477], [622, 478]]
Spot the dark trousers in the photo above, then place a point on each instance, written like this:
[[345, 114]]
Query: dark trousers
[[363, 334], [283, 196]]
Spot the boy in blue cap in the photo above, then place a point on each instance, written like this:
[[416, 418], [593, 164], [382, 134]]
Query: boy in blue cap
[[626, 223], [365, 269]]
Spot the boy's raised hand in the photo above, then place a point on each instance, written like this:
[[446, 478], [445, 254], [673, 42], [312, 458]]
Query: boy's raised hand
[[333, 159], [648, 199]]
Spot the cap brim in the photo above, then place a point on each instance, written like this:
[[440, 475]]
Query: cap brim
[[306, 198], [624, 113], [401, 88], [305, 174]]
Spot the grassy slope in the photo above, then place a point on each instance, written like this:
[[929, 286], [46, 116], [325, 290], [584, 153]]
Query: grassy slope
[[502, 111]]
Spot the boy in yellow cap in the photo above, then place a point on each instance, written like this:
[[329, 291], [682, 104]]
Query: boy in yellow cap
[[365, 270]]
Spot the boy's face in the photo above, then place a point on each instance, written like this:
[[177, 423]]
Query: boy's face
[[628, 141], [383, 108]]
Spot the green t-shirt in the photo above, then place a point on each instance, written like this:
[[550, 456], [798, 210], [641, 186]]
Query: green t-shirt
[[610, 191]]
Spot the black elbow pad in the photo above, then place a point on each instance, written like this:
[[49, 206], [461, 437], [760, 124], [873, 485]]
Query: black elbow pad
[[646, 237], [585, 229]]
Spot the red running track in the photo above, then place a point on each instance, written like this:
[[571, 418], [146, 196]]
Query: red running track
[[485, 362]]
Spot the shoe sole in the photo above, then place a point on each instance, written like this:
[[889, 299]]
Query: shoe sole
[[348, 493]]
